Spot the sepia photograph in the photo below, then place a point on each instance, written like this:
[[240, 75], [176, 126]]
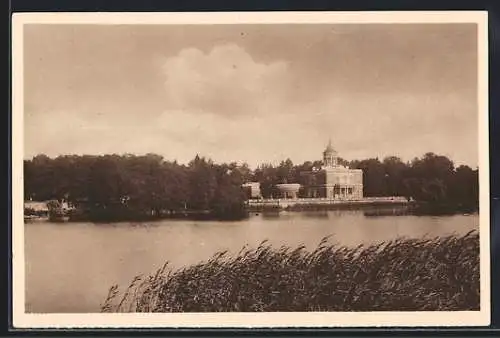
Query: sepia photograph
[[250, 169]]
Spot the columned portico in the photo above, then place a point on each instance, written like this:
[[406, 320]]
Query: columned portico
[[338, 181], [288, 191]]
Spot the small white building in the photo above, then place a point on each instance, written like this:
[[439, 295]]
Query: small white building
[[36, 206], [253, 189]]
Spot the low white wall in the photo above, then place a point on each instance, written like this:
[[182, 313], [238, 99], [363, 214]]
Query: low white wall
[[326, 201]]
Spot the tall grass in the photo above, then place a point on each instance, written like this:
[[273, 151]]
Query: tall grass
[[400, 275]]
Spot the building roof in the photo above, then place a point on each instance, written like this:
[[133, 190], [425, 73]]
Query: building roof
[[329, 148]]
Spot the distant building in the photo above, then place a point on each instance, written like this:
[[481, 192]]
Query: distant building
[[36, 206], [253, 190], [288, 190], [332, 180]]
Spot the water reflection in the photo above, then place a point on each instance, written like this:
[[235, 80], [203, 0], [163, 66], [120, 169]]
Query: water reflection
[[387, 211], [269, 214], [316, 214]]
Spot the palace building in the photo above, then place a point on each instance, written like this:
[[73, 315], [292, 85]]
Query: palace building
[[330, 181], [333, 180]]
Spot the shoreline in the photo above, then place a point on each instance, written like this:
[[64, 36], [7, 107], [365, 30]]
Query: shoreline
[[370, 209], [325, 204]]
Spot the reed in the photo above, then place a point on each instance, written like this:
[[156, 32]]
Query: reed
[[438, 274]]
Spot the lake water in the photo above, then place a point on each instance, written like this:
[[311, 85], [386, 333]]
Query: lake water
[[70, 266]]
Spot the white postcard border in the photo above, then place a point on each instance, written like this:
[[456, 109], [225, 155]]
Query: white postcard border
[[244, 320]]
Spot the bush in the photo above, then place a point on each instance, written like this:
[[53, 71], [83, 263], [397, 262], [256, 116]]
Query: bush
[[401, 275]]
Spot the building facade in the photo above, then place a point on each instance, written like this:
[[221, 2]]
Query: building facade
[[330, 181], [252, 190], [333, 180]]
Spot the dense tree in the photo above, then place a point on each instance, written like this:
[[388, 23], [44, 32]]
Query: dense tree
[[267, 176], [374, 177], [202, 183], [113, 186], [105, 182], [229, 197], [149, 185], [464, 188], [395, 172]]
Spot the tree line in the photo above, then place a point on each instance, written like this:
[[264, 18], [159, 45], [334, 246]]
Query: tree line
[[114, 186], [138, 185]]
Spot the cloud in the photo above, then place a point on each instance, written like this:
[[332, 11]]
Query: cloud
[[228, 105], [360, 127], [225, 81]]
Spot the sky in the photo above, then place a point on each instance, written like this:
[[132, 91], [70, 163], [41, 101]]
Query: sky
[[252, 93]]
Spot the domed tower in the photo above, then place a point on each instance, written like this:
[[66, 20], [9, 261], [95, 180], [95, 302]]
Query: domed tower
[[330, 156]]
